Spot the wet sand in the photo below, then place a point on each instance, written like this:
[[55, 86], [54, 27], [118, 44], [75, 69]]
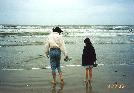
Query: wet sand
[[106, 79]]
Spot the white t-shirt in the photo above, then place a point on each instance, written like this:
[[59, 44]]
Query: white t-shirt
[[55, 40]]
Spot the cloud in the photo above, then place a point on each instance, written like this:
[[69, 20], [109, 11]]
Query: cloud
[[66, 11]]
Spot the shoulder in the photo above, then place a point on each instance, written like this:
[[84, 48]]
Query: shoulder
[[86, 49], [60, 37]]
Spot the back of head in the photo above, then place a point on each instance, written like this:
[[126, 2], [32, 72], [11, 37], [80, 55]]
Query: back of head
[[87, 41], [57, 29]]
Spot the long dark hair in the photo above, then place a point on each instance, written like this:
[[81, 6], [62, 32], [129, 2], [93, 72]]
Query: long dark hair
[[87, 42]]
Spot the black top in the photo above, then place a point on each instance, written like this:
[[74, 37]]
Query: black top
[[88, 56]]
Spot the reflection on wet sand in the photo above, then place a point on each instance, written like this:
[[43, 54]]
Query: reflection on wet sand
[[57, 90], [89, 88]]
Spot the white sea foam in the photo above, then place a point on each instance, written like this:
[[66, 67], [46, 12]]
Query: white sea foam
[[123, 64], [101, 64], [64, 66], [73, 65], [12, 69], [48, 67], [36, 68]]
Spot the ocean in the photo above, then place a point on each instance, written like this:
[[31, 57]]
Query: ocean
[[22, 46]]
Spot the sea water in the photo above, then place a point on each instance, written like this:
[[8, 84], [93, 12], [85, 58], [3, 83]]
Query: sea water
[[22, 46]]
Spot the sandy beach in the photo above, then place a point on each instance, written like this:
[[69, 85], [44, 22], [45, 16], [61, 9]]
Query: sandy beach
[[24, 69], [106, 79]]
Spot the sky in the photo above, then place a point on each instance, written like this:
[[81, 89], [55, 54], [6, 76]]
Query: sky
[[67, 12]]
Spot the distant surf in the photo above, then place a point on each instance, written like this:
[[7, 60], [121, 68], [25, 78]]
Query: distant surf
[[22, 46]]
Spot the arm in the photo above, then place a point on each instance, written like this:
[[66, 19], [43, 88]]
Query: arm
[[62, 47], [93, 54], [46, 48]]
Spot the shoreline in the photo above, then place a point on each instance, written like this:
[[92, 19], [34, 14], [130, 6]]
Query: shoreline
[[106, 79]]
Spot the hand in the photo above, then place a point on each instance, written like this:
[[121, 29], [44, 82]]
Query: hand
[[66, 58], [94, 62]]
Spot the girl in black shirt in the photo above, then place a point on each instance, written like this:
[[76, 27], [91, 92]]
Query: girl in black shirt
[[88, 58]]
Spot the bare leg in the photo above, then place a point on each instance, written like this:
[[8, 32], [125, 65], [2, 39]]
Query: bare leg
[[90, 73], [54, 78], [87, 75], [61, 77]]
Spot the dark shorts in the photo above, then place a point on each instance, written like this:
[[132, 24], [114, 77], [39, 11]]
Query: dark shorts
[[55, 56], [89, 66]]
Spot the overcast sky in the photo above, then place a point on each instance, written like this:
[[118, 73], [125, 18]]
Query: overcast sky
[[67, 12]]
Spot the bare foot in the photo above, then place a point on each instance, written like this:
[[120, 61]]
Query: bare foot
[[89, 81], [86, 81], [62, 81], [53, 82]]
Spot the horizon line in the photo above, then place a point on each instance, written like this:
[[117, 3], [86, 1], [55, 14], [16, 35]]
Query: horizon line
[[70, 24]]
